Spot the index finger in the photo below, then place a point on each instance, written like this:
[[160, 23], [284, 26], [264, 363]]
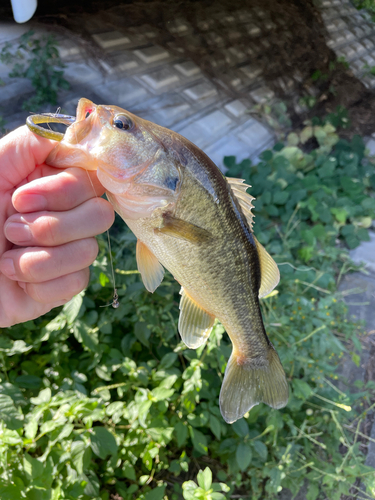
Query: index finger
[[63, 191], [20, 152]]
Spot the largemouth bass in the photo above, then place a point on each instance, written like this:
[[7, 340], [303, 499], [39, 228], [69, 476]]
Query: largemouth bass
[[191, 220]]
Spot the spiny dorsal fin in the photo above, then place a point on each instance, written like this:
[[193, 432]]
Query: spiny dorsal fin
[[194, 324], [244, 199], [151, 270], [269, 272]]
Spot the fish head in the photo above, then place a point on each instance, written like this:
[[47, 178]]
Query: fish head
[[128, 153], [106, 138]]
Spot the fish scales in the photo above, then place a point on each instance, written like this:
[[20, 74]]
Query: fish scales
[[220, 283], [197, 224]]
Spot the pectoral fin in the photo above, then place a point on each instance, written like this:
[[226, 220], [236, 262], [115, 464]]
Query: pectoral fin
[[151, 270], [178, 228], [194, 324], [270, 275]]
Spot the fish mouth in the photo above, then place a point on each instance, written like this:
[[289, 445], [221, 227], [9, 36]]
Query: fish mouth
[[86, 122]]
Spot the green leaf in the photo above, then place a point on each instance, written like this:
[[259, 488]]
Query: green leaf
[[363, 234], [14, 392], [11, 491], [229, 161], [340, 214], [32, 467], [356, 359], [215, 426], [9, 414], [312, 492], [261, 449], [156, 493], [16, 347], [205, 478], [241, 428], [103, 279], [243, 456], [30, 429], [43, 397], [86, 335], [168, 360], [189, 488], [80, 455], [168, 382], [199, 440], [128, 471], [352, 241], [71, 308], [217, 496], [181, 432], [160, 393], [301, 389], [280, 197], [142, 332], [102, 442]]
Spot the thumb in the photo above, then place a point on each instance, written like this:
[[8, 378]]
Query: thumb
[[20, 152]]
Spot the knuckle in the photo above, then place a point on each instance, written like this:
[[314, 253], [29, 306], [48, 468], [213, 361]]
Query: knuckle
[[32, 265], [105, 213], [92, 250], [79, 281], [35, 291], [44, 230]]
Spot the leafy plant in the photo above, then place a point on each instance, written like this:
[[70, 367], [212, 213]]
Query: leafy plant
[[275, 114], [205, 489], [102, 403], [369, 5], [38, 60]]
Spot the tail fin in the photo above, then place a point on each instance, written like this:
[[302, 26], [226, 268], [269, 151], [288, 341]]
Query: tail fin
[[249, 381]]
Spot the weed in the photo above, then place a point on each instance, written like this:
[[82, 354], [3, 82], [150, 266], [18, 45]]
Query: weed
[[97, 401], [38, 60]]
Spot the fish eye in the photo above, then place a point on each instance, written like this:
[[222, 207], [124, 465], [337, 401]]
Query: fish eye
[[123, 122]]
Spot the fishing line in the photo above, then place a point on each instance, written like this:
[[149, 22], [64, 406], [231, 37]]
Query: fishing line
[[115, 303]]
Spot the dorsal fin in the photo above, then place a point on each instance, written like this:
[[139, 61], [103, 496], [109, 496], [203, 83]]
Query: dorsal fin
[[194, 324], [151, 270], [244, 199], [269, 272]]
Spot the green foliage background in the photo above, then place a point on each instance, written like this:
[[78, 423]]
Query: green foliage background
[[38, 60], [96, 401]]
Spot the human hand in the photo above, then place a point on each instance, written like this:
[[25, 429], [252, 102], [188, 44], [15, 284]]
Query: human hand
[[48, 221]]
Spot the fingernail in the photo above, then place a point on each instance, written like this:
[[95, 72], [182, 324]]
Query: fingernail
[[31, 202], [18, 232], [7, 268]]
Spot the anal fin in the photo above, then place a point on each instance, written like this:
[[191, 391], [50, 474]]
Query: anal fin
[[194, 324], [151, 270], [270, 275]]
